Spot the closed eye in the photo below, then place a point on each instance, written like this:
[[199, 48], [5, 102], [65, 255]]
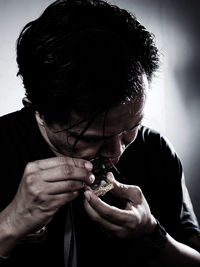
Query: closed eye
[[102, 138]]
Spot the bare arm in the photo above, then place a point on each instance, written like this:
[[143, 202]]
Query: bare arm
[[176, 254]]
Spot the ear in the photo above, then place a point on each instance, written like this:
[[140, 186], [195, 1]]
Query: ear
[[26, 102], [39, 118]]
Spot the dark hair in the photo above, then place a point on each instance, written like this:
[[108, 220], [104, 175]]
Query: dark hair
[[83, 55]]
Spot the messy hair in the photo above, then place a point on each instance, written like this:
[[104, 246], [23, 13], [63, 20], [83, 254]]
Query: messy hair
[[84, 56]]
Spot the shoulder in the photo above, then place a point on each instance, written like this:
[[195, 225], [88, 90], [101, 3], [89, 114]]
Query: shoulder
[[152, 137], [153, 154], [151, 141], [16, 116], [153, 160], [16, 123]]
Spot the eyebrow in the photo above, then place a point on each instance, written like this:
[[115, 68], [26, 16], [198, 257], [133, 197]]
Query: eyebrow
[[98, 137]]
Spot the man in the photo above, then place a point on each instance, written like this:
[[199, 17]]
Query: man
[[86, 66]]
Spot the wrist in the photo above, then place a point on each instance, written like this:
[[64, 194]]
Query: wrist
[[8, 228], [155, 241], [8, 237]]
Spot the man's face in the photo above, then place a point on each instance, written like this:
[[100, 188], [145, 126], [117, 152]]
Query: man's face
[[107, 137]]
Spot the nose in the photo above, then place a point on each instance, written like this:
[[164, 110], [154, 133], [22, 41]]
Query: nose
[[112, 147]]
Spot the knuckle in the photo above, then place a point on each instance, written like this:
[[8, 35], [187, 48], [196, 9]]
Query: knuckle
[[138, 191], [34, 188], [74, 194], [74, 163], [37, 164], [39, 195], [62, 160], [67, 170], [70, 185], [121, 188], [29, 180], [31, 166], [78, 162], [74, 185], [78, 185]]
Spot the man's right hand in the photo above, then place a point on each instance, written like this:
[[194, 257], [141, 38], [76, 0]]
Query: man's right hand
[[46, 185]]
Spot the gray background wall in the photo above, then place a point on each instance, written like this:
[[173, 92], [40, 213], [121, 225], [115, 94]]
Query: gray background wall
[[174, 98]]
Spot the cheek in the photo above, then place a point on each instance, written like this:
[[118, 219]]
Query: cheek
[[58, 139], [87, 151]]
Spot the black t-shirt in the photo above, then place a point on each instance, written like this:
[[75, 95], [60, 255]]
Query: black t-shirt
[[148, 162]]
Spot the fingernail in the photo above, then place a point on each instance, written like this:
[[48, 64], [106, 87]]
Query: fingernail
[[92, 178], [110, 175], [88, 165], [87, 195]]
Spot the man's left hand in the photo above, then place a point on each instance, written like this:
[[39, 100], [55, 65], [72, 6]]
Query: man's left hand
[[134, 221]]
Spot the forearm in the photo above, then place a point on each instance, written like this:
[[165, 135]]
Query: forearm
[[175, 254], [8, 235]]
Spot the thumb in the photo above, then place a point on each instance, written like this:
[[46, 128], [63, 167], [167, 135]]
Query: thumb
[[120, 190]]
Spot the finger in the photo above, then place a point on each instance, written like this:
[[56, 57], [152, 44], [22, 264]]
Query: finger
[[111, 227], [66, 172], [64, 187], [127, 192], [62, 199], [109, 213], [56, 201], [59, 161]]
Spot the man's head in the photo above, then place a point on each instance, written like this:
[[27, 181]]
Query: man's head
[[107, 135], [84, 57]]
